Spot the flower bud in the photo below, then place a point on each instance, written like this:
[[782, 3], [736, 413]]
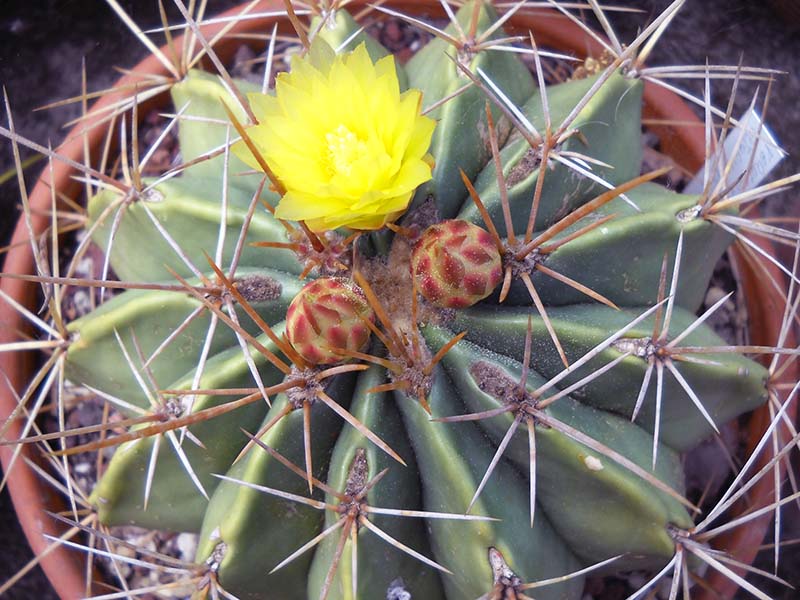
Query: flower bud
[[326, 315], [456, 264]]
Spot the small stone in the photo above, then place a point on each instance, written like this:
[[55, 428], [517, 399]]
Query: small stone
[[82, 468], [713, 295], [397, 590], [593, 463], [187, 545]]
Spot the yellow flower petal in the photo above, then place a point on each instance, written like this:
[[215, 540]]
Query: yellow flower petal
[[349, 148]]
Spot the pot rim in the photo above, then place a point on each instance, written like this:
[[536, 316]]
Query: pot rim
[[685, 143]]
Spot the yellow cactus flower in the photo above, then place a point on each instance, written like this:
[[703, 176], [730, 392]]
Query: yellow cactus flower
[[349, 148]]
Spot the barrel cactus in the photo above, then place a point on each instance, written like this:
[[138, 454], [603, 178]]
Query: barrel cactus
[[424, 329]]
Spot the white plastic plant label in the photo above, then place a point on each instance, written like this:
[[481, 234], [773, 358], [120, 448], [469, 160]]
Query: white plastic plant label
[[752, 152]]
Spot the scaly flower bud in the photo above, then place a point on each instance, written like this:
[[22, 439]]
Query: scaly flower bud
[[456, 264], [326, 315]]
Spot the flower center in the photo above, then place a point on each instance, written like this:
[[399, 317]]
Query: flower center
[[344, 148]]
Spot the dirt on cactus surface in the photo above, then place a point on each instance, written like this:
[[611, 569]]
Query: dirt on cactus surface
[[41, 63]]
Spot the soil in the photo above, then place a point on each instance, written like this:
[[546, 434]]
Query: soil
[[50, 38]]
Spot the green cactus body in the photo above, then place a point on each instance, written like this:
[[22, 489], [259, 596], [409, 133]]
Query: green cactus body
[[638, 241], [120, 496], [452, 459], [257, 530], [588, 507], [461, 137], [610, 131], [95, 357], [728, 385], [378, 563], [636, 515], [190, 211], [200, 96]]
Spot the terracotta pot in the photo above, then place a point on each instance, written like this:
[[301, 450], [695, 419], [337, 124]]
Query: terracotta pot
[[31, 497]]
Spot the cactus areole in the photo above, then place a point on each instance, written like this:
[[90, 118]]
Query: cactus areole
[[423, 369]]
